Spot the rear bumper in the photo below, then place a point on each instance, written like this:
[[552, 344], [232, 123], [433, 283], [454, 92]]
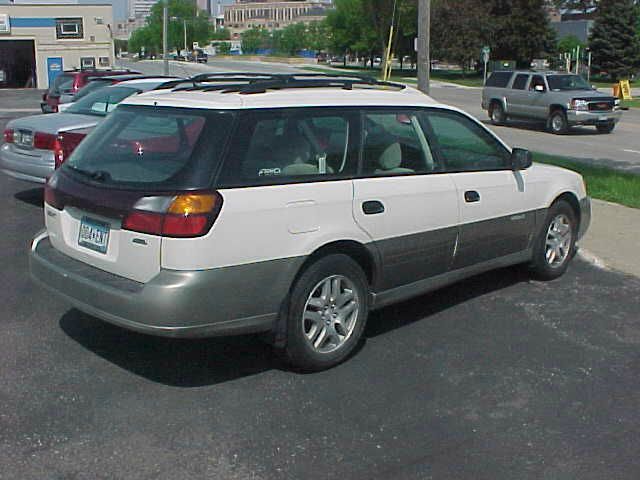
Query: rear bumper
[[185, 304], [575, 117], [585, 216], [26, 167]]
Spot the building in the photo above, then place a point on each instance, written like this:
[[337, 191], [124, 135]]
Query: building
[[244, 15], [38, 41]]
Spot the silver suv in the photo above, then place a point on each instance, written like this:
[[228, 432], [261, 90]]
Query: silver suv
[[562, 100]]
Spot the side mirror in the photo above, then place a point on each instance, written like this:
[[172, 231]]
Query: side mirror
[[521, 159], [539, 88]]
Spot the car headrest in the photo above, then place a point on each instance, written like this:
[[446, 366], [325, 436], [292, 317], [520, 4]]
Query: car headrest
[[391, 157]]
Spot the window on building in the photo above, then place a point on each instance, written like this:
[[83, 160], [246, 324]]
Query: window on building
[[69, 28]]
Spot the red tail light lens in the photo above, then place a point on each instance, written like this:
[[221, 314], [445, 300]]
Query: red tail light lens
[[8, 135], [187, 216], [44, 141], [66, 144], [58, 152]]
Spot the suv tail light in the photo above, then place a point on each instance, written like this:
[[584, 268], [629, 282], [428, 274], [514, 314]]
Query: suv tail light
[[66, 144], [183, 216], [51, 196], [8, 135]]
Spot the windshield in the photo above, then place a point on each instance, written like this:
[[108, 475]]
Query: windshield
[[567, 82], [102, 101], [151, 148], [91, 87]]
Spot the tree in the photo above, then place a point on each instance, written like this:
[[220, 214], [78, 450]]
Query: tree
[[293, 39], [520, 30], [349, 29], [614, 40], [569, 43]]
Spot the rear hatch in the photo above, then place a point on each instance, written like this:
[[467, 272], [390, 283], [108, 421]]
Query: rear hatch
[[104, 204]]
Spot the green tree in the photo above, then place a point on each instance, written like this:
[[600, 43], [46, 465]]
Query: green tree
[[569, 43], [294, 38], [614, 40], [254, 39]]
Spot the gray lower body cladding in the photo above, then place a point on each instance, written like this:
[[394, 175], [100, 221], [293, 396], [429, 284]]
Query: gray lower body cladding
[[224, 301]]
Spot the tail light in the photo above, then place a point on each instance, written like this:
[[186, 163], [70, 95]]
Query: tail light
[[51, 196], [66, 144], [183, 216], [58, 152], [8, 135], [45, 141]]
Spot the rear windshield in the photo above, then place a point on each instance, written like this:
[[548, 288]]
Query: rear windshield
[[62, 84], [102, 101], [154, 149], [499, 79], [91, 87]]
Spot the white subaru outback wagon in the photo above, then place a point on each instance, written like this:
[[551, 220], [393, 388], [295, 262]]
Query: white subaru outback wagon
[[293, 205]]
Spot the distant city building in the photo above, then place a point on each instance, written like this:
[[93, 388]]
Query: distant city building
[[245, 14], [37, 44]]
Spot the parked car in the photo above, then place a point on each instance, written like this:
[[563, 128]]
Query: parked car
[[36, 145], [67, 84], [562, 100], [102, 82], [264, 208]]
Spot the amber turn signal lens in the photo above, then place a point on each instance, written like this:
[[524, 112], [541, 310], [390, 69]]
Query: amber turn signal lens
[[191, 204]]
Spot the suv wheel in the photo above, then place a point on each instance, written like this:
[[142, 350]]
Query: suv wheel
[[605, 127], [327, 313], [555, 244], [558, 123], [497, 115]]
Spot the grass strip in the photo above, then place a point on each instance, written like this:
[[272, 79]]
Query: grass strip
[[602, 182]]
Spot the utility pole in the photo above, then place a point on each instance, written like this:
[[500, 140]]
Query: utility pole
[[165, 23], [424, 32], [185, 35]]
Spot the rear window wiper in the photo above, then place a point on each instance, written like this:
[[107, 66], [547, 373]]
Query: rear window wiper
[[97, 175]]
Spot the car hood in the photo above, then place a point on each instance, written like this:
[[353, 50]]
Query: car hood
[[585, 94], [55, 122]]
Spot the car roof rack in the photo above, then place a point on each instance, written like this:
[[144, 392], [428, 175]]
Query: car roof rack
[[251, 83]]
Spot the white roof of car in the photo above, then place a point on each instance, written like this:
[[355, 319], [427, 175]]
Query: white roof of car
[[285, 97]]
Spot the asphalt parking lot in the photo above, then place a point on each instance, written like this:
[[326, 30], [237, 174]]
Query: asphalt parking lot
[[498, 377]]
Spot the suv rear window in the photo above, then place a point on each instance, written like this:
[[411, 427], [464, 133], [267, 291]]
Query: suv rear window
[[499, 79], [153, 149]]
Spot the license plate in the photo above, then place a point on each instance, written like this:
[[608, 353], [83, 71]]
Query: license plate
[[24, 138], [94, 234]]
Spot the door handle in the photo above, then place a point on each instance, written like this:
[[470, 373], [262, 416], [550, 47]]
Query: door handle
[[372, 207], [471, 196]]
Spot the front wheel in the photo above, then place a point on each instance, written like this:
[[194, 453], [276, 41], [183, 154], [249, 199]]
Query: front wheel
[[327, 313], [556, 241], [606, 127], [497, 114], [558, 123]]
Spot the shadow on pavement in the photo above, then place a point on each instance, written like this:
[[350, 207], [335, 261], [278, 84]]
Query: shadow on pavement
[[174, 362], [32, 196], [201, 362], [533, 126]]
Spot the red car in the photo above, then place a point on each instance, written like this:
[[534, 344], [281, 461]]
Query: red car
[[68, 83]]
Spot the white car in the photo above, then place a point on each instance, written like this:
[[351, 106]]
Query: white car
[[293, 205]]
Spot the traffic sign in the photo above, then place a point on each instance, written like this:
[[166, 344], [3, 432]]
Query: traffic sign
[[486, 49]]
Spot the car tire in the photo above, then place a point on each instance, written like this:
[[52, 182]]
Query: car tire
[[558, 123], [497, 114], [321, 333], [555, 245], [606, 128]]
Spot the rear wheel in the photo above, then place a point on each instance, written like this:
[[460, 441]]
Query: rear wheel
[[496, 113], [558, 123], [327, 313], [555, 245], [605, 127]]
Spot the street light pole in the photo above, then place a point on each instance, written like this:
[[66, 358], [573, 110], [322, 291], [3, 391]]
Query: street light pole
[[424, 33], [165, 22], [185, 34]]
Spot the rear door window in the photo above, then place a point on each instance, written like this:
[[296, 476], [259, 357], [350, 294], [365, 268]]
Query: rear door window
[[273, 147], [520, 81], [153, 148], [62, 84]]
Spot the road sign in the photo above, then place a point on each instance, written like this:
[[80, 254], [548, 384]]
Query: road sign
[[486, 49], [625, 89]]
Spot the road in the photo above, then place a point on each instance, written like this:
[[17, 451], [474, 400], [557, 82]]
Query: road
[[499, 377], [620, 149]]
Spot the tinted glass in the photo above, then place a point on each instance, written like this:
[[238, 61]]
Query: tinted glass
[[394, 144], [153, 148], [499, 79], [281, 146], [567, 82], [520, 82], [102, 101], [63, 83], [537, 81], [91, 87], [462, 144]]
